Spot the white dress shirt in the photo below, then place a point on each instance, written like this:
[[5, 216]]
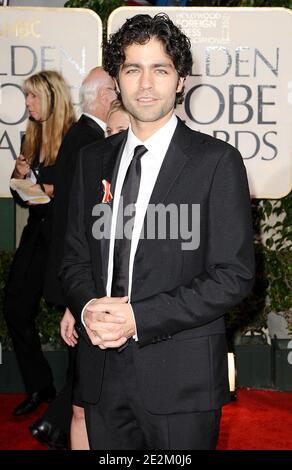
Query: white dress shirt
[[151, 162]]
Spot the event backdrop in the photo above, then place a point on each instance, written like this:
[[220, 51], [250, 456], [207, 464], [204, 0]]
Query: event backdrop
[[31, 39], [241, 85], [240, 89]]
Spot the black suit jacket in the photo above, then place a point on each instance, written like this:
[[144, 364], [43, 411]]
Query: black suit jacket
[[82, 133], [179, 296]]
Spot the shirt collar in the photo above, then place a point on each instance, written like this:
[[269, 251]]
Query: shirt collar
[[98, 121], [158, 143]]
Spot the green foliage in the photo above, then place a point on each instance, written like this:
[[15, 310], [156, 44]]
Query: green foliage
[[48, 324], [280, 284], [102, 7], [48, 320], [272, 290], [276, 218], [275, 223]]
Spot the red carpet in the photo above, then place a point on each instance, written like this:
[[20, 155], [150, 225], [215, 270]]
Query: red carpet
[[14, 433], [258, 420]]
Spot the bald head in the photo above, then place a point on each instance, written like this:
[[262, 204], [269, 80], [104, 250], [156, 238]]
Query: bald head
[[97, 93]]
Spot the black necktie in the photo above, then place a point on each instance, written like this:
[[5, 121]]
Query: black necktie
[[122, 249]]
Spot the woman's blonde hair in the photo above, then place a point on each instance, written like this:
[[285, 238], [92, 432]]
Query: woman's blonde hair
[[115, 106], [57, 115]]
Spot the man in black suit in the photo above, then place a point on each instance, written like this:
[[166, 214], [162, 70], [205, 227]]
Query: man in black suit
[[96, 94], [152, 283]]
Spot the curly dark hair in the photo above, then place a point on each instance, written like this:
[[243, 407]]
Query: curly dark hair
[[138, 30]]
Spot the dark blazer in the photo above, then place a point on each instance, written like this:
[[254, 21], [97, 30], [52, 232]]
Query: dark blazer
[[179, 297], [82, 133]]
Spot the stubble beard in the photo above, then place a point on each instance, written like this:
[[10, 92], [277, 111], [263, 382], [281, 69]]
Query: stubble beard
[[147, 114]]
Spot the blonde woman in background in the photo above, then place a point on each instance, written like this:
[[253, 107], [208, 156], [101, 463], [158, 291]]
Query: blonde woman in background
[[51, 114], [117, 119]]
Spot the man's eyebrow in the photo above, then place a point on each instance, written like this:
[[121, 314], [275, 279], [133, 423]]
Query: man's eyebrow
[[159, 64], [163, 64], [130, 64]]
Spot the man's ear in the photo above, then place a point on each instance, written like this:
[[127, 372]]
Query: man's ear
[[102, 93], [117, 86], [180, 84]]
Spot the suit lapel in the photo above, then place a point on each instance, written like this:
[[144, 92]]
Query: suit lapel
[[173, 164], [111, 163], [119, 153]]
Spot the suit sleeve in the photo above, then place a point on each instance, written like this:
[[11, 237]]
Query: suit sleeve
[[229, 267], [76, 271]]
